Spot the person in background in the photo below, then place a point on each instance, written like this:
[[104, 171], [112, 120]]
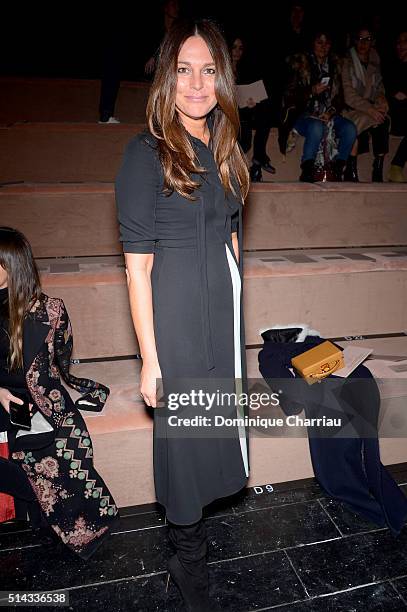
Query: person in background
[[295, 39], [396, 88], [56, 453], [255, 116], [367, 105], [13, 479], [112, 53], [312, 106], [171, 9]]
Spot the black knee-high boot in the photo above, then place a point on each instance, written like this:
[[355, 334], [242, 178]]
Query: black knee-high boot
[[351, 170], [188, 566], [377, 172]]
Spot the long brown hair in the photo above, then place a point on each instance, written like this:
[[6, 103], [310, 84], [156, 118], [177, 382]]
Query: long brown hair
[[176, 153], [23, 283]]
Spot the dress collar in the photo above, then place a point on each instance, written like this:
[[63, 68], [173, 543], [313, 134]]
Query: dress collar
[[3, 294], [200, 143]]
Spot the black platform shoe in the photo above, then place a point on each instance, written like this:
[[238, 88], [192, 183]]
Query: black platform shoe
[[377, 173], [46, 536], [255, 173], [351, 170], [307, 174], [268, 168]]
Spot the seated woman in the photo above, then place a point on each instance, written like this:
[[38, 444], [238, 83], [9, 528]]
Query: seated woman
[[312, 105], [396, 88], [365, 96], [253, 116], [56, 453]]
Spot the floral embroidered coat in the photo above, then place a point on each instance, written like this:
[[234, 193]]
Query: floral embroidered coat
[[72, 495]]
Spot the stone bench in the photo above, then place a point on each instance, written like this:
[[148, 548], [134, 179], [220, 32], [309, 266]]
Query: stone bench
[[56, 217], [82, 152], [337, 291], [122, 432]]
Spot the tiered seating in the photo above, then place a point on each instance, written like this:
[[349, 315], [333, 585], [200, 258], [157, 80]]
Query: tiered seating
[[339, 292], [330, 255], [74, 147], [66, 151], [66, 100], [277, 216]]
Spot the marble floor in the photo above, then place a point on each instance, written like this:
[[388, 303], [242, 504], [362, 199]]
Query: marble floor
[[287, 547]]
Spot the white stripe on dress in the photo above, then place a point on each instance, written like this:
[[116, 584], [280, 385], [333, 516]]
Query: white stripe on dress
[[237, 288]]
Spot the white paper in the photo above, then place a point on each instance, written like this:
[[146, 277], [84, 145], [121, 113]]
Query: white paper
[[255, 90], [353, 356]]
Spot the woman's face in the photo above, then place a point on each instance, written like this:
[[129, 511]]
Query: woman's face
[[3, 278], [401, 46], [364, 41], [195, 94], [237, 50], [322, 46]]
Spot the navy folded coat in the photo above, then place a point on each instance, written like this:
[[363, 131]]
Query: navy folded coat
[[347, 463]]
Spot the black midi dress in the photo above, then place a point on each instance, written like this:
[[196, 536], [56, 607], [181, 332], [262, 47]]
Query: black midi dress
[[198, 325]]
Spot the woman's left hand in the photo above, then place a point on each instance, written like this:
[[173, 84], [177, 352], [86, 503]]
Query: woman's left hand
[[325, 117], [6, 397]]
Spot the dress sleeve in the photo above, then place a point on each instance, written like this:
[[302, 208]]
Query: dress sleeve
[[136, 194], [235, 222]]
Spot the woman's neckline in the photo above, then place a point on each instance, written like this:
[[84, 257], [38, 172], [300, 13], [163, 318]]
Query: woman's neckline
[[209, 124], [3, 295], [199, 140]]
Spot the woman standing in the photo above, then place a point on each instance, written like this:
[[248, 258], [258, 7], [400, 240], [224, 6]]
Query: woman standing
[[56, 453], [179, 195]]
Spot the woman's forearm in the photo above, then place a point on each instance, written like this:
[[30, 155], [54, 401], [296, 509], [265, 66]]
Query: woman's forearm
[[235, 243], [141, 306]]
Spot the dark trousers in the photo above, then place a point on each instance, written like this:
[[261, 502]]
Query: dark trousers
[[110, 83], [401, 154], [380, 139], [257, 118], [14, 482]]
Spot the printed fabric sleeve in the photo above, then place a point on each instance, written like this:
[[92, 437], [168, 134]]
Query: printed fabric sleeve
[[94, 394], [136, 194]]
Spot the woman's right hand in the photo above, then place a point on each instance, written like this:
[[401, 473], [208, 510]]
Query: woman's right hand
[[6, 397], [319, 88], [377, 116], [150, 66], [150, 374]]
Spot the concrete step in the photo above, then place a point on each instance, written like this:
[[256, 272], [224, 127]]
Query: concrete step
[[122, 432], [298, 215], [338, 292], [56, 217], [56, 152], [66, 100], [76, 152]]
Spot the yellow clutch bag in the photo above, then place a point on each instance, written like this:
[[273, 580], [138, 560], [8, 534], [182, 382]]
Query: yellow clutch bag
[[319, 362]]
